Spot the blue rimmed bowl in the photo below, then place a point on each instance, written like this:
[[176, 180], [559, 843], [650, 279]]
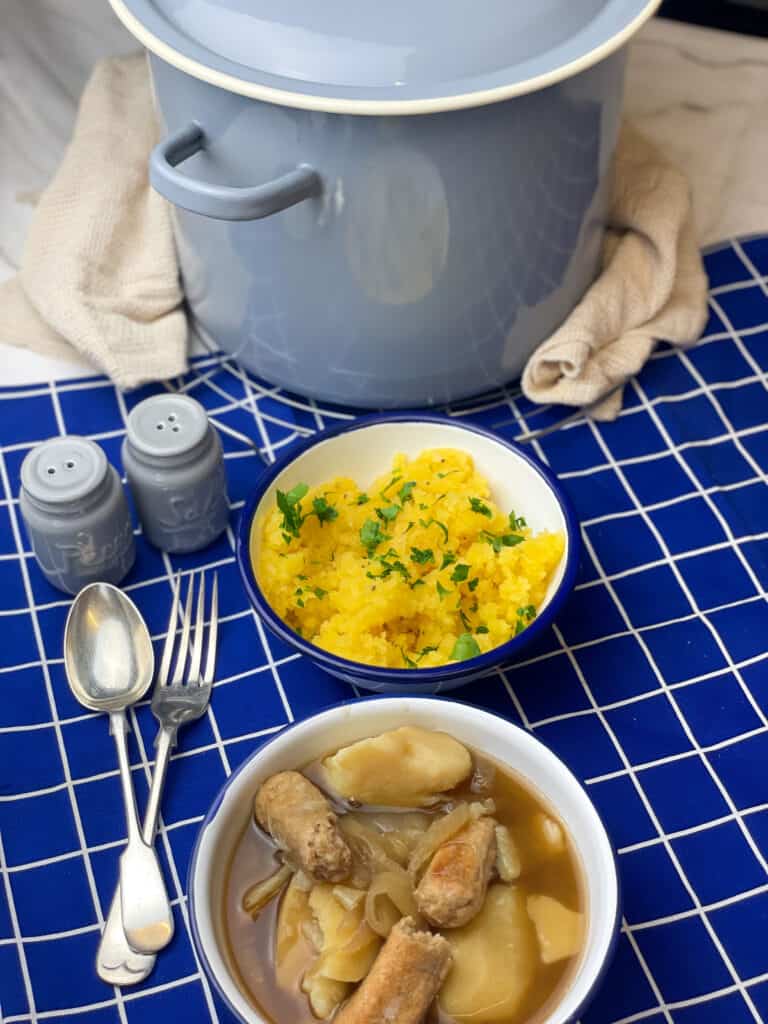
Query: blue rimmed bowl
[[363, 450], [511, 746]]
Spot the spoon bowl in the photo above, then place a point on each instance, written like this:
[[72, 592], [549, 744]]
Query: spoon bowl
[[107, 649], [110, 663]]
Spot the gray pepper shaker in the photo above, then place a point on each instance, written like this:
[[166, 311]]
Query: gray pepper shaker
[[175, 466], [76, 514]]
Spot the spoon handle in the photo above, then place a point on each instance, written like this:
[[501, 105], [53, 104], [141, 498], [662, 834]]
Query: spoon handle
[[147, 918], [116, 962]]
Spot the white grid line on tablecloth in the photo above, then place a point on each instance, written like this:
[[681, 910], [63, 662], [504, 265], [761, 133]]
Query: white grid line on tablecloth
[[718, 640], [628, 767], [714, 937], [58, 732], [253, 391], [622, 756]]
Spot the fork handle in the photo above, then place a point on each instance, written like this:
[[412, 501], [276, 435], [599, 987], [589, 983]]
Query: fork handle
[[166, 740]]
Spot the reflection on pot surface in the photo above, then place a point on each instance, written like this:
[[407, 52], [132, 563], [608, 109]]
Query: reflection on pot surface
[[442, 249]]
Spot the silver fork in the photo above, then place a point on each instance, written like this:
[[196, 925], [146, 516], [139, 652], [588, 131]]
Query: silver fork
[[173, 704]]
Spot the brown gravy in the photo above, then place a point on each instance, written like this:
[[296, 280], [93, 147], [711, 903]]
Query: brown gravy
[[251, 943]]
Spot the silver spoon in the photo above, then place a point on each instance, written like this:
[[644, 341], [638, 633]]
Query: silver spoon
[[110, 663]]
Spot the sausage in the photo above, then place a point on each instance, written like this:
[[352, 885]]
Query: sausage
[[404, 980], [300, 820], [453, 888]]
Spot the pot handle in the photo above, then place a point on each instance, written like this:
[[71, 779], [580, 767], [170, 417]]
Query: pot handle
[[222, 202]]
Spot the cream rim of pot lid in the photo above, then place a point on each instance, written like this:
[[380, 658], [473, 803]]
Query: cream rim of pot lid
[[355, 71]]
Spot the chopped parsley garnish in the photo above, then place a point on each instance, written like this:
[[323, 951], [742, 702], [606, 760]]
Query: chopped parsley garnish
[[418, 583], [388, 514], [392, 482], [409, 662], [465, 621], [480, 507], [325, 513], [482, 629], [448, 559], [426, 523], [516, 522], [404, 494], [300, 577], [442, 476], [389, 563], [289, 503], [422, 654], [460, 573], [303, 592], [465, 647], [473, 583], [409, 527], [362, 499], [524, 617], [502, 540], [422, 555], [422, 506], [441, 590], [371, 535]]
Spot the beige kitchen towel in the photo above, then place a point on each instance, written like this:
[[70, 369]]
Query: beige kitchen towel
[[99, 272], [652, 288]]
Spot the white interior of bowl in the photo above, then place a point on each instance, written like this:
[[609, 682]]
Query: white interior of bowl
[[335, 727], [366, 453]]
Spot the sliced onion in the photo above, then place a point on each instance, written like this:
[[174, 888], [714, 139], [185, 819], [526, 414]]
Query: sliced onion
[[438, 833], [389, 898], [348, 897], [302, 881], [480, 808], [259, 895], [325, 995], [507, 855], [367, 844]]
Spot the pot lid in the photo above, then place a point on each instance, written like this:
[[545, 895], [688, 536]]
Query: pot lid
[[353, 56]]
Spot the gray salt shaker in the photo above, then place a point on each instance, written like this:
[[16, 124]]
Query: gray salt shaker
[[76, 514], [174, 464]]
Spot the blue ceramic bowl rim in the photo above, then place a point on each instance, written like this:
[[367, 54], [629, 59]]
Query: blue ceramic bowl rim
[[217, 801], [404, 676]]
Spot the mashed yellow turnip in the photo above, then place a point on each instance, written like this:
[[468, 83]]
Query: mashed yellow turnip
[[420, 570]]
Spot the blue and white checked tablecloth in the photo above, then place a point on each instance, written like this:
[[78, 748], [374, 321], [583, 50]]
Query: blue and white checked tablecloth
[[653, 685]]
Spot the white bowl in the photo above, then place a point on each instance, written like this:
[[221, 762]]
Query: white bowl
[[363, 450], [337, 726]]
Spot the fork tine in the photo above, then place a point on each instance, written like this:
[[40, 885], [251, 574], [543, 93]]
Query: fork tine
[[193, 676], [170, 638], [181, 660], [213, 631]]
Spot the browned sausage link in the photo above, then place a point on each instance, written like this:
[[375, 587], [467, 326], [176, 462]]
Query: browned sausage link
[[453, 887], [300, 820], [404, 980]]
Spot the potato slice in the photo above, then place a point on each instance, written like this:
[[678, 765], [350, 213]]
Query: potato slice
[[494, 960], [349, 945], [560, 930], [406, 767]]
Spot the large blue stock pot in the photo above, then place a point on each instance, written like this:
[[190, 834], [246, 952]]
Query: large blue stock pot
[[385, 204]]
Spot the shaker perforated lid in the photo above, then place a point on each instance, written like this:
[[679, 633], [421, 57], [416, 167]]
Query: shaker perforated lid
[[167, 425], [63, 470]]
